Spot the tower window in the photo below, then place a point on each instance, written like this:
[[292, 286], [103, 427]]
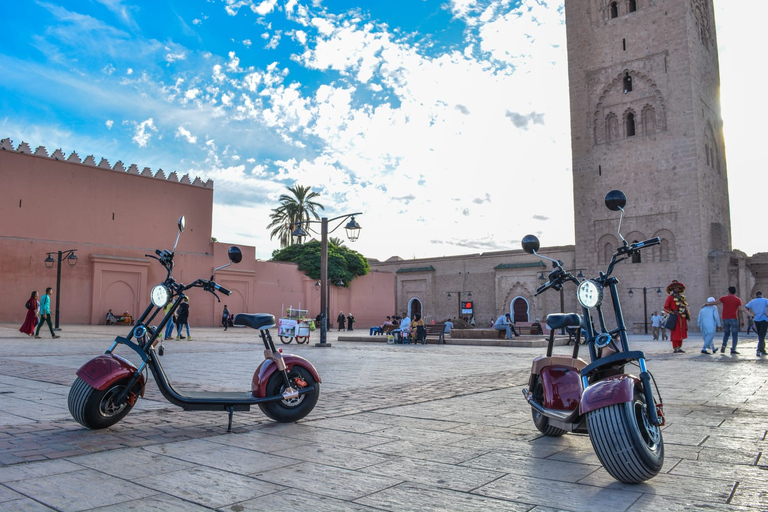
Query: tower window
[[627, 83], [706, 150], [614, 9], [632, 5], [630, 124]]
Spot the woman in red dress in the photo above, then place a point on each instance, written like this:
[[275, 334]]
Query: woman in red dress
[[677, 304], [30, 322]]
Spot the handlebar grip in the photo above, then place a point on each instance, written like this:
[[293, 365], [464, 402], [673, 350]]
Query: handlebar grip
[[159, 252], [222, 290], [647, 243]]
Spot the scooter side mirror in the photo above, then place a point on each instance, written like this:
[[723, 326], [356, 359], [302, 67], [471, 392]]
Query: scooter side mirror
[[615, 200], [530, 244], [182, 224], [235, 254]]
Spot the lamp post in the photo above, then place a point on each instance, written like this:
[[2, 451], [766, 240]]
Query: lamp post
[[353, 233], [469, 294], [71, 258], [645, 302]]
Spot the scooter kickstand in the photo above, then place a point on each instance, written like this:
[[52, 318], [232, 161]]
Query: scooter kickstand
[[231, 410]]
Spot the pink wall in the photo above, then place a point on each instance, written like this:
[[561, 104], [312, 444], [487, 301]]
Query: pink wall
[[113, 217]]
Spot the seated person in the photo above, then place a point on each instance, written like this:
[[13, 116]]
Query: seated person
[[504, 323], [111, 319], [126, 318], [447, 326], [536, 327], [381, 328]]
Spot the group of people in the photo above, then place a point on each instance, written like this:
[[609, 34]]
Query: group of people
[[180, 320], [38, 311], [709, 319], [349, 320]]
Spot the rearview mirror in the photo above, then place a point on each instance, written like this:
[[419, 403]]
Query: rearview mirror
[[235, 254], [615, 200], [182, 224], [530, 244]]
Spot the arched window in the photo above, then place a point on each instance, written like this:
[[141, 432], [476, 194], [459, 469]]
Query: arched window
[[632, 5], [706, 150], [649, 120], [611, 127], [664, 250], [636, 257], [627, 83], [607, 253], [630, 122], [614, 9]]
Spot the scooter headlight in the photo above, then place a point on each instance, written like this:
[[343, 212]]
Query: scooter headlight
[[590, 294], [160, 296]]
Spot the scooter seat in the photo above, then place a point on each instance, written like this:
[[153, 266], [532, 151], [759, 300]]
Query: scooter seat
[[560, 320], [257, 321]]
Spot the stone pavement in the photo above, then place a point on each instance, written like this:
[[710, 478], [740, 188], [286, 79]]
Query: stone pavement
[[396, 428]]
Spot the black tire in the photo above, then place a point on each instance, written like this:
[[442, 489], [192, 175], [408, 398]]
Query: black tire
[[96, 409], [287, 411], [302, 339], [541, 421], [288, 338], [628, 446]]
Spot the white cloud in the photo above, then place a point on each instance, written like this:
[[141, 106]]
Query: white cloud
[[143, 132], [172, 57], [264, 8], [186, 134], [109, 124]]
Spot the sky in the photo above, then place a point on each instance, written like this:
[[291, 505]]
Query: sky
[[445, 122]]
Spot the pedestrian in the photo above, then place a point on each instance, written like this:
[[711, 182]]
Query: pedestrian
[[677, 305], [731, 307], [656, 319], [664, 336], [750, 324], [472, 321], [31, 320], [341, 319], [45, 313], [708, 322], [171, 321], [225, 317], [182, 319], [759, 307], [504, 323], [350, 321]]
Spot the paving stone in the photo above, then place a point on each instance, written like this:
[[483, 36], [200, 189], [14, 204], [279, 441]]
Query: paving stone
[[421, 498], [297, 500], [448, 476]]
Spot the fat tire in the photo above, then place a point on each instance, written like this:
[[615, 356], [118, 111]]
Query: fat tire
[[283, 338], [539, 420], [288, 411], [85, 404], [628, 446]]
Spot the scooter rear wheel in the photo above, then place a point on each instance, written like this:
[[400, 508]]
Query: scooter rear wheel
[[287, 411], [630, 448], [541, 421], [96, 409]]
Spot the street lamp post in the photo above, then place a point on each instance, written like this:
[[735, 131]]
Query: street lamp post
[[645, 302], [353, 233], [71, 258], [469, 294]]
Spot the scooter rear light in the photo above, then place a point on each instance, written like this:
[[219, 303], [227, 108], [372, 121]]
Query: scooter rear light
[[280, 350], [660, 414]]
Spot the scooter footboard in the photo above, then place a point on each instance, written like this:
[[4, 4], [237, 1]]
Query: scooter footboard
[[104, 370], [268, 367], [612, 390]]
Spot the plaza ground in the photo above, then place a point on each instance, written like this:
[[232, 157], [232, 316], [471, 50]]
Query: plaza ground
[[396, 428]]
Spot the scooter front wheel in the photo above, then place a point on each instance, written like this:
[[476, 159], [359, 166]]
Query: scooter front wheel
[[630, 448], [286, 411], [96, 409], [286, 339]]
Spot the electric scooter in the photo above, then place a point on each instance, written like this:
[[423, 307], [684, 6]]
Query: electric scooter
[[285, 387], [616, 409]]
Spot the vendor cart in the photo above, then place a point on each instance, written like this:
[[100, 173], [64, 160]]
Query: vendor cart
[[295, 325]]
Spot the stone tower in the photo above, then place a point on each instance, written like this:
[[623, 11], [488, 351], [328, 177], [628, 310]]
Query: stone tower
[[645, 119]]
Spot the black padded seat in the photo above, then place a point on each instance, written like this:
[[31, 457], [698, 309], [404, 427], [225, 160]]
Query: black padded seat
[[560, 320], [257, 321]]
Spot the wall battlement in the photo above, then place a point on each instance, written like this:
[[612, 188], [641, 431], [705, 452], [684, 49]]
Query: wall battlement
[[7, 145]]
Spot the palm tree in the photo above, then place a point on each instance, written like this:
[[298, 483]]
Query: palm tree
[[294, 208]]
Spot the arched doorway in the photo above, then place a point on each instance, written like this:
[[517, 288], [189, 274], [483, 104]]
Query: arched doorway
[[414, 306], [519, 310]]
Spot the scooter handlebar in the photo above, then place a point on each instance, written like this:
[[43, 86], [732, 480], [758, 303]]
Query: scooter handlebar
[[221, 289]]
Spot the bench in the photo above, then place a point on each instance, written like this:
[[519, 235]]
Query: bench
[[436, 331]]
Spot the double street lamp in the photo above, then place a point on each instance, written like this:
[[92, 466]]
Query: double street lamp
[[71, 258], [469, 295], [353, 233], [645, 302]]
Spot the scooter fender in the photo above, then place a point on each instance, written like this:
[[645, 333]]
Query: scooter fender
[[613, 390], [268, 367], [104, 370]]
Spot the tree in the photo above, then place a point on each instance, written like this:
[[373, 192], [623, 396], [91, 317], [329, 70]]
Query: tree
[[343, 263], [298, 206]]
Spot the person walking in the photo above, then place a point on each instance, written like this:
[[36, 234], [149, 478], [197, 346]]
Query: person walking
[[171, 321], [731, 307], [708, 322], [676, 304], [759, 307], [656, 324], [225, 317], [504, 323], [45, 313], [31, 320], [341, 319], [182, 319], [350, 321]]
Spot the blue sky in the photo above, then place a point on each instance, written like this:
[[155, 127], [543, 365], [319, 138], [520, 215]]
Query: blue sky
[[444, 121]]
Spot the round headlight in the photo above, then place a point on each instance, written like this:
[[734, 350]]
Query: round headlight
[[590, 294], [160, 296]]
